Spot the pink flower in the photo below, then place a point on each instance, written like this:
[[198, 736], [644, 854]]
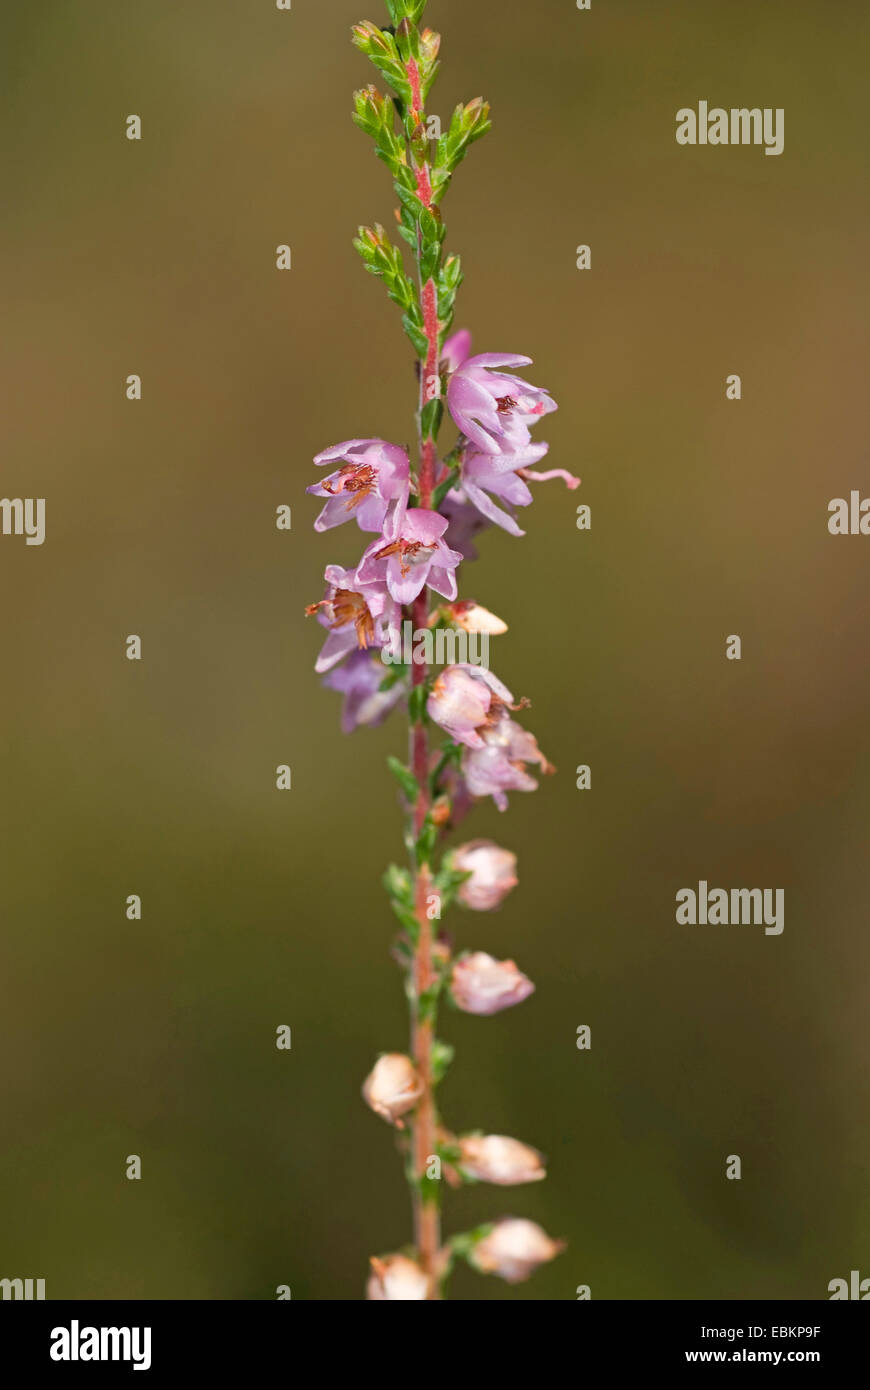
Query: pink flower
[[506, 476], [514, 1249], [461, 699], [456, 350], [495, 409], [358, 616], [359, 679], [493, 873], [392, 1087], [497, 1159], [371, 486], [480, 984], [415, 555], [499, 766], [394, 1278], [465, 522]]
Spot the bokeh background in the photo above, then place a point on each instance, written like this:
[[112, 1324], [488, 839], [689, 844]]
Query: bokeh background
[[709, 518]]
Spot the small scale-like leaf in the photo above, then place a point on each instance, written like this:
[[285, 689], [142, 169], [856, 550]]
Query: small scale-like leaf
[[405, 778]]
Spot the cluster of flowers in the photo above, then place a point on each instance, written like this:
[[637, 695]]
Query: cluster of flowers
[[415, 548]]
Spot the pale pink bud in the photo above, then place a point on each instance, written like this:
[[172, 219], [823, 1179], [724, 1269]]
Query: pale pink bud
[[392, 1087], [514, 1249], [482, 985], [473, 617], [497, 1159], [493, 874], [395, 1277]]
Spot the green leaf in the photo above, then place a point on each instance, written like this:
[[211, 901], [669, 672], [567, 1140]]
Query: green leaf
[[426, 842], [416, 334], [447, 883], [408, 41], [427, 1004], [452, 273], [429, 1189], [430, 43], [407, 918], [417, 703], [383, 259], [395, 673], [442, 489], [451, 753], [467, 124], [405, 9], [463, 1244], [399, 885], [431, 417], [442, 1056], [380, 47], [405, 778]]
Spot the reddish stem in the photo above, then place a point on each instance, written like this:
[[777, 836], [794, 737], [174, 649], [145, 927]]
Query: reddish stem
[[421, 171], [427, 1222], [413, 72]]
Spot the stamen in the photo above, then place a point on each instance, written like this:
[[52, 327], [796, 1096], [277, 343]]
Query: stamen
[[358, 480]]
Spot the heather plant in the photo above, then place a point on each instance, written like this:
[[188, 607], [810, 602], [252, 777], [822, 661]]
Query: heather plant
[[464, 743]]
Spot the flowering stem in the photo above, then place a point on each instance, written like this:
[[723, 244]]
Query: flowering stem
[[487, 751], [427, 1216], [424, 1194], [425, 1201]]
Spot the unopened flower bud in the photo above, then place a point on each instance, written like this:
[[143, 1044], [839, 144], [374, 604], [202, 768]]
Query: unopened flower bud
[[482, 985], [396, 1277], [514, 1249], [473, 617], [392, 1087], [495, 1158], [493, 874], [430, 43]]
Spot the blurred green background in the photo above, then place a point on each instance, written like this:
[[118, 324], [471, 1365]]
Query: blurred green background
[[708, 518]]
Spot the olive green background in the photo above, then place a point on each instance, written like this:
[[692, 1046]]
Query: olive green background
[[158, 778]]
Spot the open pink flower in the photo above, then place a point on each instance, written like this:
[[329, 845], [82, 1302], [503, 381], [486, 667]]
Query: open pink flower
[[358, 616], [465, 522], [371, 486], [411, 557], [359, 680], [495, 409], [506, 476], [456, 350], [461, 700], [485, 476], [498, 766], [480, 984]]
